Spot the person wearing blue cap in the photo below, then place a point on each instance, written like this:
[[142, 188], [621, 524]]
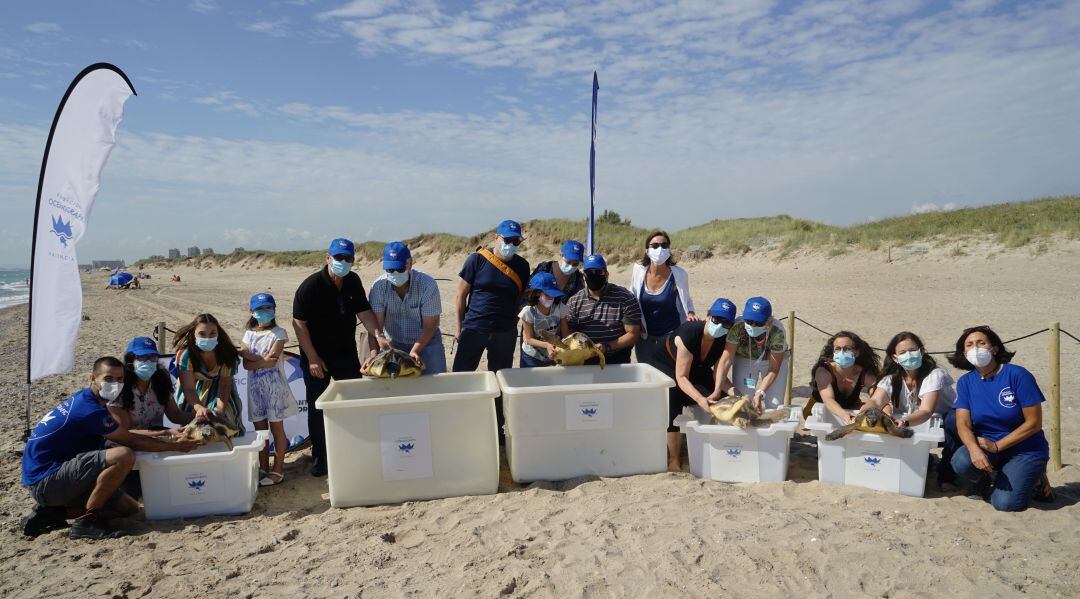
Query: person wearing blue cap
[[407, 306], [567, 269], [607, 313], [542, 318], [325, 310], [690, 355], [760, 339]]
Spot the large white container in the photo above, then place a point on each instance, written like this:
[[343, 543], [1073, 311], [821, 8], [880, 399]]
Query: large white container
[[208, 481], [397, 440], [881, 462], [730, 454], [564, 422]]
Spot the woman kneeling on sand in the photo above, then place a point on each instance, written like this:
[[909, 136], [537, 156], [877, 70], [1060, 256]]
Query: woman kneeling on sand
[[999, 420], [206, 360], [845, 367]]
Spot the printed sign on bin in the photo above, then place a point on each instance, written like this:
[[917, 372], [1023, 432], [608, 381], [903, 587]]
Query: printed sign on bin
[[589, 411], [405, 443], [873, 466], [203, 485], [738, 457]]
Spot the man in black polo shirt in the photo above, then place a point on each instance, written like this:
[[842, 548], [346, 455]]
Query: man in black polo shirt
[[607, 313], [325, 310]]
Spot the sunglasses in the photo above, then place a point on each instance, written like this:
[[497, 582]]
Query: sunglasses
[[656, 246], [512, 240], [395, 270], [343, 258], [755, 323], [720, 321]]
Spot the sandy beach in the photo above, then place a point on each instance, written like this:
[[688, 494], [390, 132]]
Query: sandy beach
[[658, 535]]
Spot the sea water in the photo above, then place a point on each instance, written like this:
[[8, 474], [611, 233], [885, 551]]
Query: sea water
[[14, 288]]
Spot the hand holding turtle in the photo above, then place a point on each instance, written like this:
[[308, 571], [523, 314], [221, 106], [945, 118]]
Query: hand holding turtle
[[202, 413], [186, 445], [415, 355], [551, 351]]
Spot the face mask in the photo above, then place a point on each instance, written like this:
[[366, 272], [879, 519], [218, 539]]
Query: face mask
[[263, 316], [979, 357], [715, 329], [595, 281], [843, 359], [658, 255], [546, 301], [109, 391], [755, 331], [340, 268], [206, 343], [145, 369], [566, 268], [911, 360], [397, 279], [507, 251]]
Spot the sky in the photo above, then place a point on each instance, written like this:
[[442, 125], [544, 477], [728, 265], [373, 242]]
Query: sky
[[282, 124]]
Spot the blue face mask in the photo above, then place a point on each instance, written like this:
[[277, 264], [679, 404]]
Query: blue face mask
[[566, 268], [145, 369], [911, 360], [755, 331], [843, 359], [397, 279], [206, 343], [263, 315], [340, 268], [507, 251], [715, 329]]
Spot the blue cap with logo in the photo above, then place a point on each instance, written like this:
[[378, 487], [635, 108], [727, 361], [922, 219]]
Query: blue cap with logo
[[142, 346], [757, 309], [573, 250], [594, 262], [341, 246], [261, 300], [394, 255], [509, 228], [723, 308], [545, 282]]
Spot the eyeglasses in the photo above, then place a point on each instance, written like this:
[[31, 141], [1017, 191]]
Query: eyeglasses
[[396, 270], [343, 258], [837, 348], [512, 240], [656, 246]]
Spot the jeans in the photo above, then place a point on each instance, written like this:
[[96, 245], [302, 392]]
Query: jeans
[[1015, 479], [313, 388], [500, 354], [433, 355], [527, 361]]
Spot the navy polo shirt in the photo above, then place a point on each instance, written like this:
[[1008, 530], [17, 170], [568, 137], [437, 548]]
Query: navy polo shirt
[[495, 298]]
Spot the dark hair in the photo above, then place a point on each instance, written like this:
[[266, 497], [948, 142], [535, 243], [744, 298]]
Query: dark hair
[[892, 369], [106, 362], [645, 261], [225, 352], [160, 382], [957, 358], [531, 296], [867, 358]]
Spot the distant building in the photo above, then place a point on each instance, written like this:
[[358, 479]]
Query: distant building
[[193, 251], [238, 250], [174, 254], [110, 264], [208, 252]]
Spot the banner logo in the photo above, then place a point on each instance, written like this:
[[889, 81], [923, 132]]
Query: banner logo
[[61, 229]]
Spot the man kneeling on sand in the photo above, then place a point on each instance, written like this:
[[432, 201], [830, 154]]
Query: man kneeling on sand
[[67, 469]]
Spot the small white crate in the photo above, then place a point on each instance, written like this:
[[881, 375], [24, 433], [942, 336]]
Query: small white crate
[[730, 454], [208, 481], [881, 462]]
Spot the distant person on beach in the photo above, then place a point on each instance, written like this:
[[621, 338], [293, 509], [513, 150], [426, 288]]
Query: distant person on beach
[[270, 401], [566, 270], [206, 363], [542, 319], [756, 336], [407, 308], [607, 313], [663, 292], [999, 421], [845, 368], [690, 355], [325, 310], [67, 469]]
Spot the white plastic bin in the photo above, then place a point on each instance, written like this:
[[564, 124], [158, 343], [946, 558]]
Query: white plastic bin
[[881, 462], [389, 441], [744, 373], [209, 481], [564, 422], [727, 453]]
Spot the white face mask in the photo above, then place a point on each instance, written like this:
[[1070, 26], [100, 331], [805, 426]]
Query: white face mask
[[110, 391], [397, 279], [658, 255], [507, 251], [545, 301], [566, 268], [979, 357]]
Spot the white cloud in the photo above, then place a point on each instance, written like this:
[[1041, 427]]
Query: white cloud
[[227, 101], [204, 6], [275, 28], [43, 28]]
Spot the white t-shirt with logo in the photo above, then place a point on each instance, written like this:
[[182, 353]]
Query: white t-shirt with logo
[[937, 380]]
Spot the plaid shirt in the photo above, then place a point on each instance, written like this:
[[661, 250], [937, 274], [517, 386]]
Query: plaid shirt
[[603, 319], [402, 317]]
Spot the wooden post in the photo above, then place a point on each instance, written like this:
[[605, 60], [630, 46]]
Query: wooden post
[[1055, 397], [159, 335], [791, 357]]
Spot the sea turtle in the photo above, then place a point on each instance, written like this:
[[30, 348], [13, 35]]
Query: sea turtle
[[575, 349], [739, 411], [873, 420], [208, 431], [391, 363]]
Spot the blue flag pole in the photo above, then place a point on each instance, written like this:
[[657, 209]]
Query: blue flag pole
[[590, 240]]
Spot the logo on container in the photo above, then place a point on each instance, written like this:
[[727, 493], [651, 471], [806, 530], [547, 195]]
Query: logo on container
[[406, 447], [871, 460], [590, 412], [197, 484], [733, 452]]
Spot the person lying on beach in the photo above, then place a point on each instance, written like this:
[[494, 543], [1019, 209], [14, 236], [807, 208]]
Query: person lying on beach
[[757, 337], [68, 471]]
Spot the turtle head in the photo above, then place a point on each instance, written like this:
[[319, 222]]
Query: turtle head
[[873, 416]]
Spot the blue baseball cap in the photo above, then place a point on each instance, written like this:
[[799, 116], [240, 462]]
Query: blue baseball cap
[[394, 255], [509, 228], [341, 246], [594, 262], [261, 300], [545, 282], [723, 308], [757, 309], [573, 250], [142, 346]]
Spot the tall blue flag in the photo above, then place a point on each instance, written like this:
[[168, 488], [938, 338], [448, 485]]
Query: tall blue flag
[[590, 240]]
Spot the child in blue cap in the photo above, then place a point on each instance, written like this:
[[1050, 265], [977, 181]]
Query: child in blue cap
[[542, 318]]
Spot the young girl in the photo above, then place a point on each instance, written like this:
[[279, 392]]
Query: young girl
[[206, 361], [542, 318], [269, 397]]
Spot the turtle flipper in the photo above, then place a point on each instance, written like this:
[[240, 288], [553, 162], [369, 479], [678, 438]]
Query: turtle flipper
[[897, 431], [840, 432], [603, 359]]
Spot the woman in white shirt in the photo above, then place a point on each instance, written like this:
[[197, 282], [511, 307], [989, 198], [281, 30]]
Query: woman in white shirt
[[662, 290], [912, 386]]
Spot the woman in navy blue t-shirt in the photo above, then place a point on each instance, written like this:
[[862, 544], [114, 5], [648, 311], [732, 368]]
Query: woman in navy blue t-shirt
[[999, 421]]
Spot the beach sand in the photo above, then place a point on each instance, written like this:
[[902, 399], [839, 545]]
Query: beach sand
[[657, 535]]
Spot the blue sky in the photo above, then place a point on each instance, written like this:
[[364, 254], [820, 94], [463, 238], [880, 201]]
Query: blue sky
[[282, 124]]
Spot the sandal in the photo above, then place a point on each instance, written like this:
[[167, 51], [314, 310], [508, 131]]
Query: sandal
[[271, 479]]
